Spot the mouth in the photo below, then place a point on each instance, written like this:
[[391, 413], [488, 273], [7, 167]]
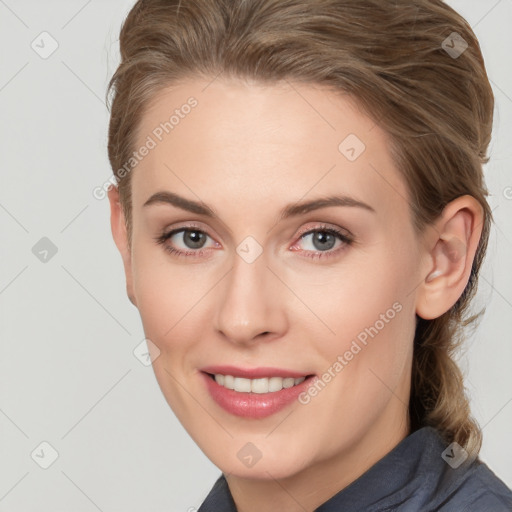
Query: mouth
[[255, 393]]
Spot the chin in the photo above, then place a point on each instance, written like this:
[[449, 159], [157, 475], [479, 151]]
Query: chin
[[262, 470], [256, 460]]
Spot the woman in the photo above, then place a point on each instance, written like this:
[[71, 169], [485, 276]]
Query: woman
[[302, 217]]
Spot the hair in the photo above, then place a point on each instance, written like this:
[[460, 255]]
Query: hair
[[389, 56]]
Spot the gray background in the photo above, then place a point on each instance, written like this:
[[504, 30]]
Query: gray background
[[68, 375]]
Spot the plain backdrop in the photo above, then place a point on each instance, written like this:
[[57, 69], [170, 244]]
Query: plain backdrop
[[68, 376]]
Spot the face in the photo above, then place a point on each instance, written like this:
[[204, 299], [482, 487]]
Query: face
[[273, 247]]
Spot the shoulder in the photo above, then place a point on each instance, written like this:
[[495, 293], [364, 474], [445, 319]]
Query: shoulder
[[434, 484], [478, 489]]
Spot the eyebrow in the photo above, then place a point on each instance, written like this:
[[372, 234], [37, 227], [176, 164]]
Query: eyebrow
[[291, 210]]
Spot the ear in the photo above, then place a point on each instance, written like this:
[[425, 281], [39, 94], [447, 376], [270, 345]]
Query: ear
[[118, 226], [452, 242]]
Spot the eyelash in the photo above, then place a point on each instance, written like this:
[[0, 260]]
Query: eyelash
[[346, 239]]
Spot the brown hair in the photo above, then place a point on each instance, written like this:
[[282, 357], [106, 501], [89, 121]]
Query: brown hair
[[390, 57]]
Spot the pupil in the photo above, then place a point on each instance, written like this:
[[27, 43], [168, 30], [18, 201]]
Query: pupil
[[195, 239], [322, 237]]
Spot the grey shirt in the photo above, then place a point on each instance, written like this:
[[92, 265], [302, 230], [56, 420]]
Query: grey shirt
[[421, 474]]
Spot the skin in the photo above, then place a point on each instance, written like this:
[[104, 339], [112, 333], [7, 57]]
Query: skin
[[248, 150]]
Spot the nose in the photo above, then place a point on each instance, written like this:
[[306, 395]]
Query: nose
[[250, 303]]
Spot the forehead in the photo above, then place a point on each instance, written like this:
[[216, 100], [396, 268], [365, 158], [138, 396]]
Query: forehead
[[264, 142]]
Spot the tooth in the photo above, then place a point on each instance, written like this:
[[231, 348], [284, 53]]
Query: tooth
[[259, 385], [275, 384], [229, 381], [263, 385], [242, 385], [288, 382]]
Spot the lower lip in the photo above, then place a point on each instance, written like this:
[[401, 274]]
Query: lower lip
[[253, 405]]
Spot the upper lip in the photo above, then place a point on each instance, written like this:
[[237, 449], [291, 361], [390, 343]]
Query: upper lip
[[253, 373]]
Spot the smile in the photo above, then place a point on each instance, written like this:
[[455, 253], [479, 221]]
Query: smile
[[254, 393]]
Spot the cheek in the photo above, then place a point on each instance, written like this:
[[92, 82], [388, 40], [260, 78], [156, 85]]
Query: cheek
[[354, 297], [380, 334], [161, 293], [174, 301], [369, 310], [156, 300]]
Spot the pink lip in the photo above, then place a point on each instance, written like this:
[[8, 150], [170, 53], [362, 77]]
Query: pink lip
[[253, 405], [252, 373]]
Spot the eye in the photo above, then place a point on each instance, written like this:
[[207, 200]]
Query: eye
[[320, 241], [185, 241]]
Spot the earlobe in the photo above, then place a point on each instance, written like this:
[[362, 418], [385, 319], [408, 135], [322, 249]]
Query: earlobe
[[454, 241], [120, 235]]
